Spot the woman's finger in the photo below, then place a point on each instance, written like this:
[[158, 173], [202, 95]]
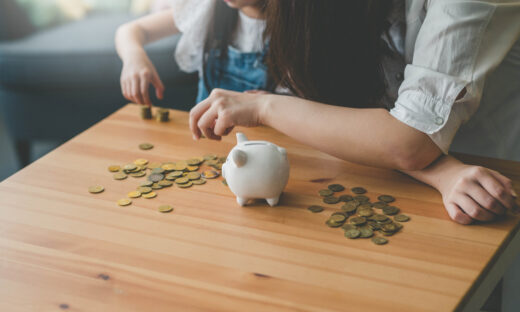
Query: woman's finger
[[457, 215], [206, 123], [159, 86], [471, 208], [223, 123], [195, 113], [135, 91], [495, 188], [484, 199], [145, 87]]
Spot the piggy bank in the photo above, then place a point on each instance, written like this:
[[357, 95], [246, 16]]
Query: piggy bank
[[256, 169]]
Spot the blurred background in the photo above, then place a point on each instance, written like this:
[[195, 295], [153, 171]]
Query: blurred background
[[59, 71]]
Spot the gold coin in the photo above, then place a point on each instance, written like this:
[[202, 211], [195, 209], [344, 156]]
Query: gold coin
[[352, 233], [165, 208], [338, 218], [176, 174], [336, 187], [386, 198], [124, 202], [180, 166], [193, 176], [147, 183], [331, 200], [182, 180], [210, 174], [194, 161], [119, 176], [154, 165], [379, 240], [366, 232], [137, 174], [192, 168], [358, 190], [168, 167], [158, 170], [401, 218], [144, 189], [325, 192], [390, 210], [96, 189], [358, 220], [140, 162], [150, 195], [134, 194], [114, 168], [185, 185], [198, 182], [315, 208], [345, 198], [165, 183], [156, 186], [145, 146]]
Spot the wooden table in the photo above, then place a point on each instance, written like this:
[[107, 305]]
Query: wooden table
[[62, 248]]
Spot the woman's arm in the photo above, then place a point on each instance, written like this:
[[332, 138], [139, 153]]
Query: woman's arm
[[468, 192], [138, 71], [365, 136]]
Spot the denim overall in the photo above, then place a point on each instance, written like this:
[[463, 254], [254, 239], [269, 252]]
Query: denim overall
[[238, 72]]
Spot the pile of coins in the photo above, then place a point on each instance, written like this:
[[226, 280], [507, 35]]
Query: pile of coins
[[183, 174], [357, 216], [162, 114]]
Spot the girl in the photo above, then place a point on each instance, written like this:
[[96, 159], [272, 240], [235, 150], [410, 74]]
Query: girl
[[222, 40], [340, 56]]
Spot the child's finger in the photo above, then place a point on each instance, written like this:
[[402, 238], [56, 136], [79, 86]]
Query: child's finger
[[495, 188], [473, 209], [195, 113], [457, 215], [484, 199]]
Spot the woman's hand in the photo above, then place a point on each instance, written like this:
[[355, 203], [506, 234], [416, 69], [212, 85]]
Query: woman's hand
[[137, 75], [223, 110], [475, 193]]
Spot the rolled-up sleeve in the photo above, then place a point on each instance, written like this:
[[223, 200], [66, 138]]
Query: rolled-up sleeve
[[458, 44]]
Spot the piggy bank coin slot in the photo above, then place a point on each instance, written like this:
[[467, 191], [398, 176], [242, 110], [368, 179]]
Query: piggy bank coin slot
[[255, 144]]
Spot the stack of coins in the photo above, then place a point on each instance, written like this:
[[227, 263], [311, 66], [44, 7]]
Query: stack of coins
[[163, 115], [146, 112]]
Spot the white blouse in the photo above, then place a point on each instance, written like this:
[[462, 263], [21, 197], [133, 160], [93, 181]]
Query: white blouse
[[192, 18]]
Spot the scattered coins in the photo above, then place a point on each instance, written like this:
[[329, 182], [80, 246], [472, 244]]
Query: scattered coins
[[149, 195], [145, 146], [315, 208], [379, 240], [134, 194], [96, 189], [165, 208], [119, 176], [114, 168], [124, 202]]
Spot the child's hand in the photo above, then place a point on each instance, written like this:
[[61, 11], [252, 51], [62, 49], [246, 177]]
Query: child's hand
[[137, 75], [475, 193], [222, 110]]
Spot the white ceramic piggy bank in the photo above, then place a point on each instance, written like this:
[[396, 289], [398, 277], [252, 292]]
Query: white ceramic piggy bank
[[256, 169]]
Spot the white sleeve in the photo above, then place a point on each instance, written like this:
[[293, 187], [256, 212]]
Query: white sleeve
[[458, 44], [192, 18]]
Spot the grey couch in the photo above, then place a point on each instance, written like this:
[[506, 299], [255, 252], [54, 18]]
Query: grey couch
[[58, 82]]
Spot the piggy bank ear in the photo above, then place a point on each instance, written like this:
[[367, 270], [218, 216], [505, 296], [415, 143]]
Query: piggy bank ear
[[282, 151], [239, 157]]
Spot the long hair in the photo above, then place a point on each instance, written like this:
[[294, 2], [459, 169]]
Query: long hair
[[328, 50]]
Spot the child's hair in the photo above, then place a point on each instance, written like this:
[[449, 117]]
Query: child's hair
[[220, 32], [329, 51]]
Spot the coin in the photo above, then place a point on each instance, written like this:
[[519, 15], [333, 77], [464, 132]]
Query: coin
[[129, 167], [345, 198], [366, 232], [365, 212], [155, 177], [192, 168], [386, 198], [210, 174], [185, 185], [325, 192], [146, 183], [163, 115], [119, 176], [336, 187], [156, 186], [146, 112], [141, 162], [181, 166], [332, 224], [401, 218], [193, 176], [338, 218], [390, 210], [165, 183], [124, 202], [373, 225], [379, 240], [158, 170], [348, 226], [96, 189], [379, 204], [361, 198], [358, 220], [352, 233], [182, 180], [315, 208], [149, 195], [176, 174], [145, 146], [165, 208], [358, 190], [331, 200], [154, 165], [365, 205], [134, 194], [137, 174], [380, 218], [194, 161], [114, 168], [198, 182], [170, 177], [168, 167], [144, 189]]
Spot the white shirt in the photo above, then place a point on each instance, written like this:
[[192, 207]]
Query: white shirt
[[455, 44], [192, 18]]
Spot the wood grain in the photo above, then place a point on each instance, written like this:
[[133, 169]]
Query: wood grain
[[65, 249]]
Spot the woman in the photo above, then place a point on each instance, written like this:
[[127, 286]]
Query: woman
[[338, 56]]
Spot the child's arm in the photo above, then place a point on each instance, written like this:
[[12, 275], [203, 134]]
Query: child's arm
[[468, 192], [138, 71]]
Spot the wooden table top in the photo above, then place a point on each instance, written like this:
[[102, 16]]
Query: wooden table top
[[62, 248]]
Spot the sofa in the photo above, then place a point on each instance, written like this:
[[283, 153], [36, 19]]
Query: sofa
[[57, 82]]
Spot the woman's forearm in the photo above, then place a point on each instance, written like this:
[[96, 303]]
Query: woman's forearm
[[443, 168], [367, 136]]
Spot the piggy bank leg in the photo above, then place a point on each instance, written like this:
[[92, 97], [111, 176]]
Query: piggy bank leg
[[241, 201], [272, 201]]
